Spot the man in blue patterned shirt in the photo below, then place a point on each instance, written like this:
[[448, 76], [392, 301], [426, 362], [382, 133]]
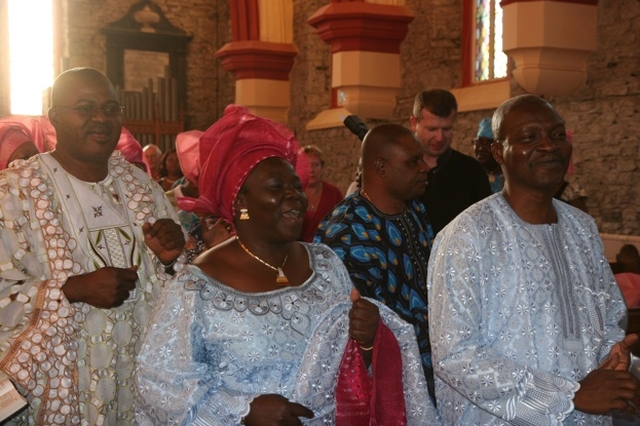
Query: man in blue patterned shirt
[[381, 233]]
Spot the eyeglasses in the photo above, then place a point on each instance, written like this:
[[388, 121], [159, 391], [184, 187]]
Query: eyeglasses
[[111, 110]]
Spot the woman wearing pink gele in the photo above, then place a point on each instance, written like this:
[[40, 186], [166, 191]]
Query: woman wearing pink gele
[[16, 143], [264, 329]]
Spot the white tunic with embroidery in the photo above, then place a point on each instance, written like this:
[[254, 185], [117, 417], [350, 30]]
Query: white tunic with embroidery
[[75, 362], [518, 315]]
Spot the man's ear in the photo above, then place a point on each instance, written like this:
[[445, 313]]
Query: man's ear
[[496, 150], [378, 164], [414, 123], [53, 116]]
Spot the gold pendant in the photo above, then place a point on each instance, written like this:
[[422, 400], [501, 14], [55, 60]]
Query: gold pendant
[[281, 278]]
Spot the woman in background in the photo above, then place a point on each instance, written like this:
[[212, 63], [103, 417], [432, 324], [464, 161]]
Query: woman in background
[[322, 195], [170, 171], [16, 142]]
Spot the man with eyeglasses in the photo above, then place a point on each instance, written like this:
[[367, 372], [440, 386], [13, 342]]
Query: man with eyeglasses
[[482, 149], [455, 180], [87, 243]]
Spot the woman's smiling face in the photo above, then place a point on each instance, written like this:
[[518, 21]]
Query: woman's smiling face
[[273, 195]]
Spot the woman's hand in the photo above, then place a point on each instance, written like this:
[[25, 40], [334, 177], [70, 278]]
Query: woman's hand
[[214, 231], [363, 320], [165, 239], [276, 410]]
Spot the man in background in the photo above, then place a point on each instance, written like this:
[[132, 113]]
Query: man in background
[[482, 149], [153, 154], [455, 180], [381, 232]]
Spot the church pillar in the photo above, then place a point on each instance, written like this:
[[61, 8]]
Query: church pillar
[[365, 39], [261, 55], [549, 42]]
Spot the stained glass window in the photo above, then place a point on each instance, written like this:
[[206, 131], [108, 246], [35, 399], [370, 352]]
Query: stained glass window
[[490, 61]]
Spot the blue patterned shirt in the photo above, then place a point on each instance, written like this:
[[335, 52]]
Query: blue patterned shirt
[[386, 256]]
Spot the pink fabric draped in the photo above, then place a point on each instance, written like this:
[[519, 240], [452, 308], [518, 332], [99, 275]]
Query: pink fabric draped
[[11, 137], [130, 148], [189, 154], [378, 400], [41, 129], [629, 284]]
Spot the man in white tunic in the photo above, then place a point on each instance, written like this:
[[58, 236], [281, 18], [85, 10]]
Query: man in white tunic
[[523, 307], [87, 242]]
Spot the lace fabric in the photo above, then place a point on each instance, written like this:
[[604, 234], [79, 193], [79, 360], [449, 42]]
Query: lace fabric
[[363, 400]]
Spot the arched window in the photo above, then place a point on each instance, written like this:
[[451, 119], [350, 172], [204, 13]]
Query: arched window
[[483, 58]]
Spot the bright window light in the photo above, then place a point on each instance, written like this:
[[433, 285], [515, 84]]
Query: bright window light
[[30, 54]]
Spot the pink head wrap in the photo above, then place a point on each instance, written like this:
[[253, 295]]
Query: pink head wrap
[[229, 151], [188, 151], [40, 128], [12, 135], [130, 148]]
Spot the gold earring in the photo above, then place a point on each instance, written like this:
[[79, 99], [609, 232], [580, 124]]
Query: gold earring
[[244, 214]]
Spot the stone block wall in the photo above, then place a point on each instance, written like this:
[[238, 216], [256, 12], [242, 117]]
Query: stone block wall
[[604, 115]]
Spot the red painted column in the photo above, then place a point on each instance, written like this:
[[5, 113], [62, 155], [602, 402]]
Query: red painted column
[[365, 40], [261, 69]]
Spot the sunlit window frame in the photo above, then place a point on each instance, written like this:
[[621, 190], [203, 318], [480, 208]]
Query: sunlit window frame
[[469, 46], [58, 62]]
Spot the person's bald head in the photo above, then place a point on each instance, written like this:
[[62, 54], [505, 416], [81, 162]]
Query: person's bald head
[[67, 80], [380, 141], [392, 163], [526, 101]]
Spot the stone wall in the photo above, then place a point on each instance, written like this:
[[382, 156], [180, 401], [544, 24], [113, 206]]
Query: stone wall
[[209, 87], [604, 115]]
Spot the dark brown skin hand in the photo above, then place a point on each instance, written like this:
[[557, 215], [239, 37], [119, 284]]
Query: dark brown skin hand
[[105, 288], [619, 357], [363, 323], [276, 410], [610, 387], [165, 239], [214, 231]]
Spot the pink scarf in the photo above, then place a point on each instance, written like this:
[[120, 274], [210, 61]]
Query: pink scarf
[[371, 401]]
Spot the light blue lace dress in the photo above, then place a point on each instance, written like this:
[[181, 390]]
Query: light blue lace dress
[[211, 349]]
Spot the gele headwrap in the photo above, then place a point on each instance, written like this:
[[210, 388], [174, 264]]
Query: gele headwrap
[[12, 135], [40, 128], [130, 148], [187, 148], [229, 151]]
